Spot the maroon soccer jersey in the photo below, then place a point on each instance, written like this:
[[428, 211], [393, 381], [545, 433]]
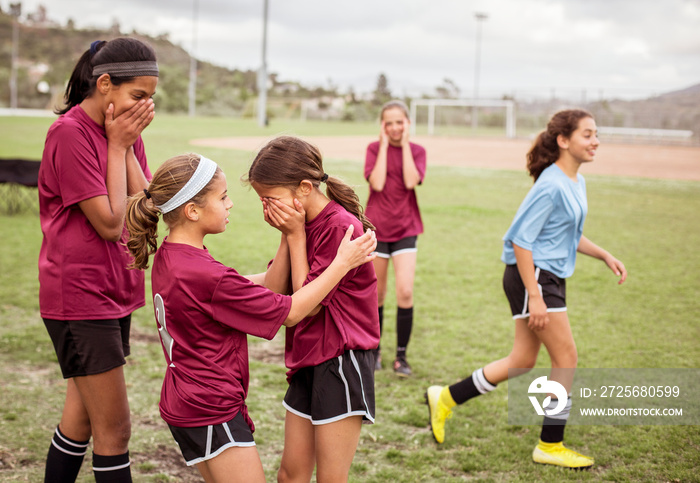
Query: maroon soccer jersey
[[81, 275], [204, 310], [394, 210], [348, 318]]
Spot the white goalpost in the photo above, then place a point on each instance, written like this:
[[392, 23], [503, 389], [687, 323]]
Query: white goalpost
[[432, 103]]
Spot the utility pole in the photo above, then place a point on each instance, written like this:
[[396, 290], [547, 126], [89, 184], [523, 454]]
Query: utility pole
[[480, 16], [15, 12], [262, 75], [192, 88]]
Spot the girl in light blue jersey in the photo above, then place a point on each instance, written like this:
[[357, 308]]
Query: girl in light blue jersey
[[539, 250]]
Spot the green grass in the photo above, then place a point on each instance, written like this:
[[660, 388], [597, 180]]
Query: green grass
[[462, 322]]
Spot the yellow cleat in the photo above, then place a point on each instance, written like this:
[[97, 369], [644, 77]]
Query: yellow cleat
[[558, 455], [439, 413]]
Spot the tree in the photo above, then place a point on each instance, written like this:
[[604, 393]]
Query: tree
[[382, 93], [448, 89]]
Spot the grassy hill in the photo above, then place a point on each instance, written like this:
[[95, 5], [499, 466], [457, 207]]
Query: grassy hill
[[48, 52], [672, 110]]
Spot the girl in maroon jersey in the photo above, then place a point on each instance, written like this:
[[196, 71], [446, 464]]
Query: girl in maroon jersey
[[328, 354], [93, 159], [394, 166], [204, 311]]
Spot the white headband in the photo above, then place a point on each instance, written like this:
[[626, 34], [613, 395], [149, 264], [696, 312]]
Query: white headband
[[201, 177]]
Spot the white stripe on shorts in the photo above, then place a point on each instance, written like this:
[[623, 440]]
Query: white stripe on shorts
[[362, 384], [210, 435], [345, 382], [361, 412], [525, 313], [404, 250], [397, 252]]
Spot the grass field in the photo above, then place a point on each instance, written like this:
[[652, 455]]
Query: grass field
[[462, 322]]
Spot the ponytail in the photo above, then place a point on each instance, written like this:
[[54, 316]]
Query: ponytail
[[142, 224], [345, 196], [287, 161], [545, 149], [142, 210], [82, 82]]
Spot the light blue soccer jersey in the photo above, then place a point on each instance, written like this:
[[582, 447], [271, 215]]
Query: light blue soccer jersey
[[549, 222]]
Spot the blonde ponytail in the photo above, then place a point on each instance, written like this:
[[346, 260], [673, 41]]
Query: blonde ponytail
[[142, 213], [142, 224]]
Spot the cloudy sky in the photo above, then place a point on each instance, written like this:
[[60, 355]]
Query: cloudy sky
[[614, 48]]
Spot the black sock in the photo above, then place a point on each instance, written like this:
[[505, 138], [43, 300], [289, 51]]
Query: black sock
[[111, 468], [553, 430], [472, 386], [404, 324], [381, 325], [64, 459]]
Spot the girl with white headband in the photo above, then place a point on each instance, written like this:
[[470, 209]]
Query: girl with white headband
[[204, 311], [93, 159]]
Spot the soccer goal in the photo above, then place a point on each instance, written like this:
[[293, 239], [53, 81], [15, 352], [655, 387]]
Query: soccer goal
[[432, 104]]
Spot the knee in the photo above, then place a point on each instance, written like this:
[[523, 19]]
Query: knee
[[404, 296], [114, 438], [567, 358], [526, 362], [522, 359], [121, 434], [283, 476], [572, 359]]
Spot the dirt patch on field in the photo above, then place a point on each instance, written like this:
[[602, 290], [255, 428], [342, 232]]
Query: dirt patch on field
[[268, 351], [643, 160], [165, 460]]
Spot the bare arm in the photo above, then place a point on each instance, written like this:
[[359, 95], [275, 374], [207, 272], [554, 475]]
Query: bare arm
[[377, 177], [106, 212], [257, 278], [277, 276], [351, 254], [536, 306], [411, 176], [587, 247], [135, 177]]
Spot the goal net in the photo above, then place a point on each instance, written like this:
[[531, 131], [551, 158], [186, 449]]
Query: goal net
[[455, 115]]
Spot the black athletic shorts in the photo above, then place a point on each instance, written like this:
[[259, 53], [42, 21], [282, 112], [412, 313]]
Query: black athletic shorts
[[552, 288], [88, 347], [333, 390], [389, 249], [203, 443]]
